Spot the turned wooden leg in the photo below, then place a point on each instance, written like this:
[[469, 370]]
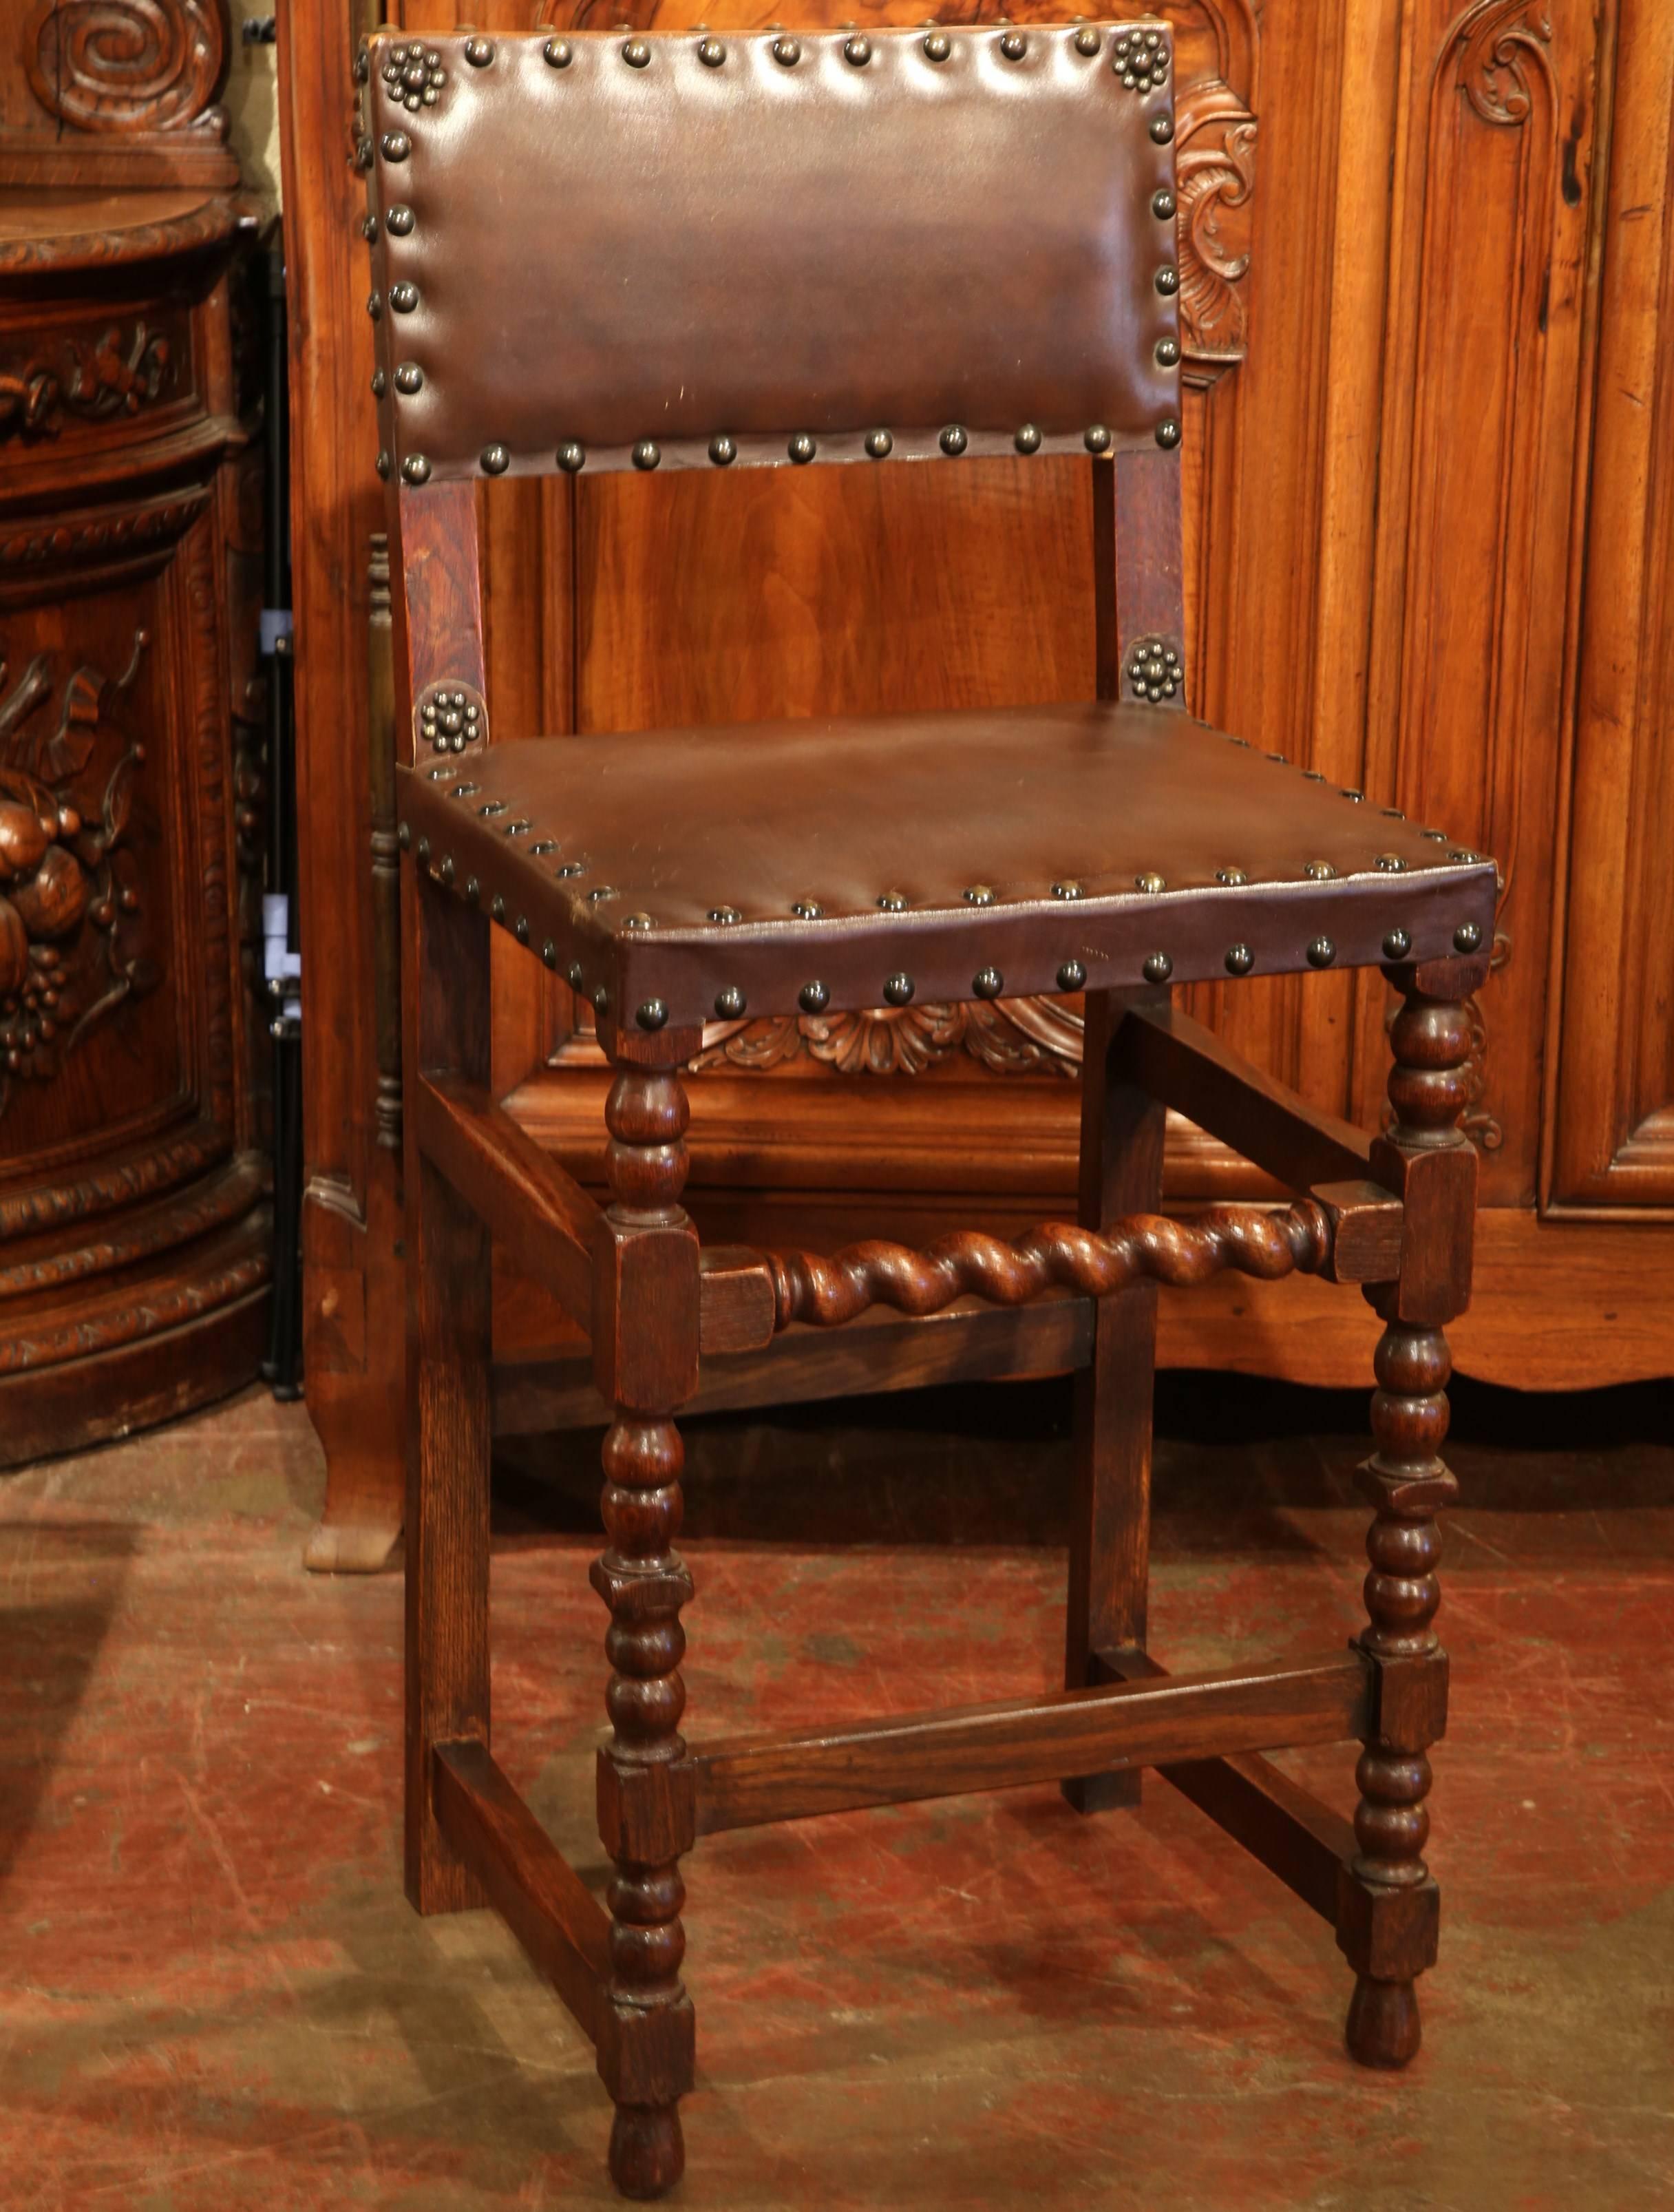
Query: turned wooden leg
[[646, 1339], [1389, 1909], [1110, 1512], [1406, 1483], [448, 1257]]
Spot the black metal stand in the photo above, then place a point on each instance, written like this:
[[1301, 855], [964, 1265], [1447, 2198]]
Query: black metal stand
[[283, 1365]]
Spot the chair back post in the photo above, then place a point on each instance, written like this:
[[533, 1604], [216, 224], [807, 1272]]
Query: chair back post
[[1139, 578], [439, 622]]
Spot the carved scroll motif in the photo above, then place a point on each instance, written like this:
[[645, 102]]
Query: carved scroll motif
[[1501, 39], [67, 898], [1216, 180], [128, 65]]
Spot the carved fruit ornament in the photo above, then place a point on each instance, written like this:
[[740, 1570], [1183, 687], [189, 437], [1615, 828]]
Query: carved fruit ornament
[[64, 887]]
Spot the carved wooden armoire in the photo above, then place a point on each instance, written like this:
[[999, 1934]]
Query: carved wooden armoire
[[1426, 248], [134, 1225]]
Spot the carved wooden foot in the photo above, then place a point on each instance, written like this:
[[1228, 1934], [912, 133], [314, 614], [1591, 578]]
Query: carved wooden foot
[[1384, 2027], [647, 2153]]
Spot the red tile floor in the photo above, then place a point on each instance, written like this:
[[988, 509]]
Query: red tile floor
[[212, 1993]]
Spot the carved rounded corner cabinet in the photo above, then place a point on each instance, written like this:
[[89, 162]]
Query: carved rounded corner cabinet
[[135, 1226]]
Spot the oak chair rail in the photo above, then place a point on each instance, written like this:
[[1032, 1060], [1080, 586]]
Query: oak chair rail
[[673, 1328]]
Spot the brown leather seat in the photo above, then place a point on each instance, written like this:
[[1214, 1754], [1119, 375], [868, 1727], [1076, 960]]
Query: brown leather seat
[[710, 871]]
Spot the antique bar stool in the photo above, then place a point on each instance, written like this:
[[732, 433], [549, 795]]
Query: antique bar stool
[[615, 249]]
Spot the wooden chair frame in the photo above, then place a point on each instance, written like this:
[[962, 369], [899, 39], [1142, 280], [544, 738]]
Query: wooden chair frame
[[1391, 1212]]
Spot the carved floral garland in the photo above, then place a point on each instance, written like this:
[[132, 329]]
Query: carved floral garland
[[65, 878], [93, 378]]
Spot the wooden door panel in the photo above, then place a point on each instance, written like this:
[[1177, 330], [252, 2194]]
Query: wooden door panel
[[111, 949], [1614, 1046], [1483, 418]]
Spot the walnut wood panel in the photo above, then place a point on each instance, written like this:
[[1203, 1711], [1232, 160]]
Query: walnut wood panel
[[134, 1228], [353, 1297], [1614, 1051], [1390, 236]]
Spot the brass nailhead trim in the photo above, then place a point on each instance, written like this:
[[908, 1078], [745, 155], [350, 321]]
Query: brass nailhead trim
[[1028, 439], [1467, 936], [802, 448], [1014, 45], [647, 453], [857, 51], [988, 983], [729, 1003], [1239, 960], [711, 52], [814, 998], [557, 53], [571, 457], [1150, 883], [1087, 42], [398, 222], [952, 442], [479, 53], [879, 444], [1321, 952], [786, 53], [652, 1014], [722, 451], [636, 53], [1072, 975], [1167, 353], [898, 990], [938, 45], [1158, 967], [1097, 440], [1397, 944]]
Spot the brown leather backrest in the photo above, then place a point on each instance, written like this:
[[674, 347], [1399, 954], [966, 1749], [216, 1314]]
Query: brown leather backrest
[[616, 248]]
